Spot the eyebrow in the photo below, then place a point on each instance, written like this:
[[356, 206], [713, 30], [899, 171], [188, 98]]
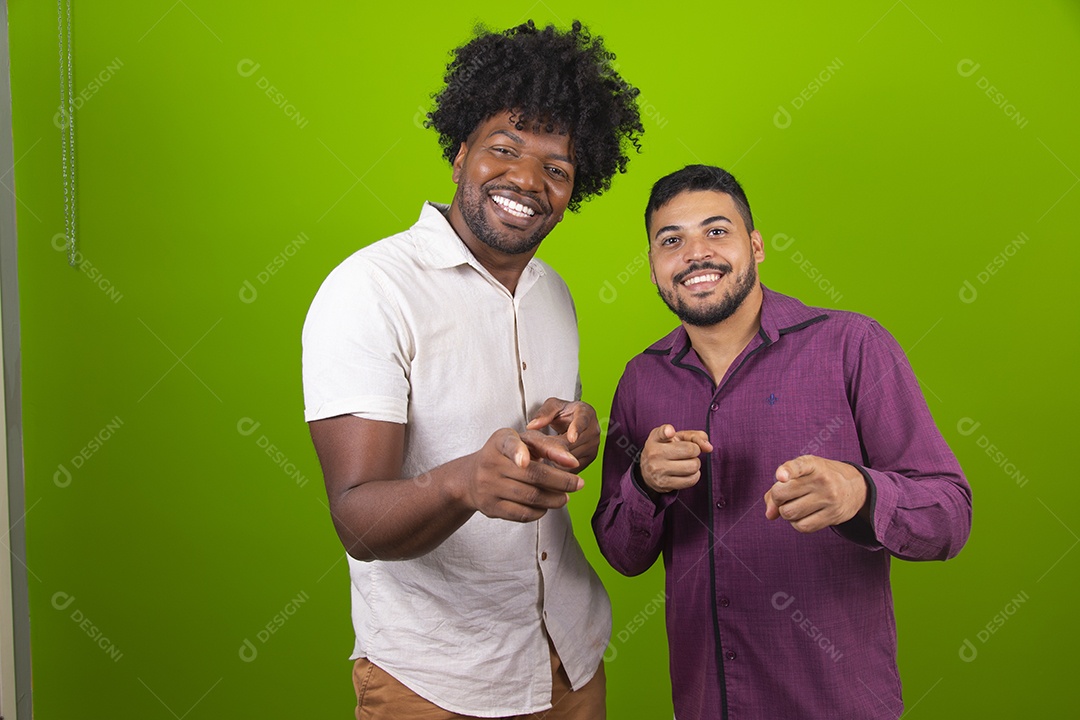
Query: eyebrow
[[706, 221], [518, 141]]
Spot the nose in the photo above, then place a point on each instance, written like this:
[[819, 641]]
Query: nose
[[527, 173], [696, 249]]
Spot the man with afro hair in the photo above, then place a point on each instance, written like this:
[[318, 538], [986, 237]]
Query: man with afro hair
[[442, 390]]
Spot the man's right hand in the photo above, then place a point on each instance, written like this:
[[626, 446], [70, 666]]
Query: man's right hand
[[669, 460], [510, 479]]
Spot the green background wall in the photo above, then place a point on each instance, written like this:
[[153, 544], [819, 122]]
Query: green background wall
[[884, 178]]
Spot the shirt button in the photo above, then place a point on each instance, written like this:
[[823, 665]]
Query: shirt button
[[730, 654], [543, 556], [724, 602], [721, 503], [524, 366], [714, 407]]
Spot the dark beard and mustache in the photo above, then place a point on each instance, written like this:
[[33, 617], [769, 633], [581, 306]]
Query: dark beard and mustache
[[719, 311], [472, 211]]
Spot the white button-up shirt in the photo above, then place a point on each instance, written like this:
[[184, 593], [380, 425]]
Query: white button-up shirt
[[413, 329]]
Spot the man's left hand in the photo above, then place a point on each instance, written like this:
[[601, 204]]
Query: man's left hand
[[813, 493], [574, 421]]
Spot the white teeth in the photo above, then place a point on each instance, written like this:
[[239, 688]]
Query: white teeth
[[701, 278], [514, 208]]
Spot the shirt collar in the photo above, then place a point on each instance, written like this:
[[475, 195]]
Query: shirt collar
[[439, 247], [780, 314]]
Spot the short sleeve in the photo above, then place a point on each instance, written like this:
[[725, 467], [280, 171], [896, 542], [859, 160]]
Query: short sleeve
[[356, 347]]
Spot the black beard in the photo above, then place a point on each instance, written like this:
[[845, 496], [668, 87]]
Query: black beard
[[472, 211], [723, 309]]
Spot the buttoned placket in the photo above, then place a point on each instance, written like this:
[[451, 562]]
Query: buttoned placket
[[717, 502]]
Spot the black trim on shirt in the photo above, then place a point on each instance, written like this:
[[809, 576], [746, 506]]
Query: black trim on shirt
[[706, 475], [800, 326], [677, 362], [765, 339]]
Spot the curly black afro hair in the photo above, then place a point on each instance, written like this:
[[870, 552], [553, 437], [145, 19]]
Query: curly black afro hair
[[558, 80]]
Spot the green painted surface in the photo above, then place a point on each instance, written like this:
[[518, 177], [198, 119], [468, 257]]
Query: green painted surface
[[883, 177]]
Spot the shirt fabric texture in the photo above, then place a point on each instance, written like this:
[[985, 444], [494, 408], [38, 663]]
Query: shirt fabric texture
[[413, 329], [764, 621]]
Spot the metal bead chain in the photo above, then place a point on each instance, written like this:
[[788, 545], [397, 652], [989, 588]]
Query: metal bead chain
[[67, 130]]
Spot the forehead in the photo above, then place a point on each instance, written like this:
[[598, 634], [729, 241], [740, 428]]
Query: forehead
[[690, 207], [533, 135]]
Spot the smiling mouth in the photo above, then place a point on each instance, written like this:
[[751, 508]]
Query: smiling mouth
[[698, 279], [514, 208]]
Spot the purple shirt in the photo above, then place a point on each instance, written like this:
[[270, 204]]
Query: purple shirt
[[764, 621]]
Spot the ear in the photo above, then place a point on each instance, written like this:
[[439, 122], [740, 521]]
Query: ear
[[459, 161], [652, 272], [757, 245]]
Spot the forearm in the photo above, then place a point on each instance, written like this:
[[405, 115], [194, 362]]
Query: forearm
[[403, 518], [629, 525]]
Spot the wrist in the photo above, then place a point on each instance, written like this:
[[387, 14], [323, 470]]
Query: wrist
[[638, 477], [452, 480]]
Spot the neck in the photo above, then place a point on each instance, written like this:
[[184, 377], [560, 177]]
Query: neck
[[504, 267], [718, 345]]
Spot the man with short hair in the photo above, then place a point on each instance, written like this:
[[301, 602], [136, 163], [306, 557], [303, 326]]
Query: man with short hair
[[755, 394], [442, 390]]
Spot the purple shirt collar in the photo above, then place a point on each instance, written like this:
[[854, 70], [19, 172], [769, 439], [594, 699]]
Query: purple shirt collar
[[780, 314]]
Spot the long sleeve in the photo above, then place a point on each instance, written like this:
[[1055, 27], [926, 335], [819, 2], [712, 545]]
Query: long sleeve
[[922, 502], [629, 526]]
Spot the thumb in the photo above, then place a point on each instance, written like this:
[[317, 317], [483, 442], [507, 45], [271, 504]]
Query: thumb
[[513, 448], [772, 510], [796, 468]]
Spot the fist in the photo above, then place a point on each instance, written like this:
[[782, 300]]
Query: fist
[[670, 459]]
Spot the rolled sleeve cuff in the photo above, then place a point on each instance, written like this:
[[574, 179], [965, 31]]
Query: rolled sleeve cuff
[[369, 407]]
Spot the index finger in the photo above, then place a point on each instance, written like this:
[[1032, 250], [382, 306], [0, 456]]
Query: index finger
[[549, 447], [663, 434], [698, 437], [582, 418], [551, 409], [512, 447]]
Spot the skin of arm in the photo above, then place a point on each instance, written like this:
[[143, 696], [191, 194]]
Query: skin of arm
[[380, 515]]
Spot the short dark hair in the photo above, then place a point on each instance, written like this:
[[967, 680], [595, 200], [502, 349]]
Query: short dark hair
[[698, 177], [562, 81]]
